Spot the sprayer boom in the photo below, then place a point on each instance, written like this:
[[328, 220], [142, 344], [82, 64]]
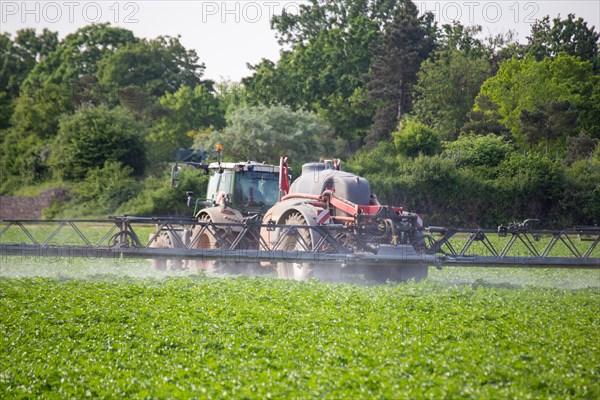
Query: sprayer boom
[[331, 244]]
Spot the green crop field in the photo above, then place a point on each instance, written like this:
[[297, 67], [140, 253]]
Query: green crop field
[[117, 329]]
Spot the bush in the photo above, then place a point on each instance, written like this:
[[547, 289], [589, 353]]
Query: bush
[[479, 150], [99, 194], [378, 159], [582, 193], [93, 136], [530, 187], [477, 195], [414, 137], [21, 161], [158, 197]]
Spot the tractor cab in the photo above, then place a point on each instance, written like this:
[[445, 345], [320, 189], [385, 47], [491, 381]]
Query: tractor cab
[[248, 187]]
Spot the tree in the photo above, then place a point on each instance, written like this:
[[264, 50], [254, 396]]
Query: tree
[[158, 66], [267, 85], [38, 111], [446, 90], [570, 35], [406, 42], [324, 70], [549, 122], [78, 55], [22, 160], [449, 81], [142, 104], [414, 137], [326, 62], [19, 57], [485, 119], [266, 133], [462, 39], [6, 111], [35, 121], [93, 136], [319, 16], [187, 112], [522, 84], [230, 96]]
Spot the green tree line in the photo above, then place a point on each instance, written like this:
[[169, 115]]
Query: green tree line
[[437, 117]]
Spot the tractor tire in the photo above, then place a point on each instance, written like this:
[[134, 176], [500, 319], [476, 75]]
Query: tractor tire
[[163, 241], [217, 239], [301, 271]]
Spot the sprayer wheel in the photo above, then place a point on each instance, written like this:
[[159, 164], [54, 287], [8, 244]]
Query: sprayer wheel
[[293, 242], [300, 240]]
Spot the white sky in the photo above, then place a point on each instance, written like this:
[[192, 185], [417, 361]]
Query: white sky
[[227, 34]]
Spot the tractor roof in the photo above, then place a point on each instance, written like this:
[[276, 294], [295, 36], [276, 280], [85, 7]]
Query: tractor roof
[[245, 166]]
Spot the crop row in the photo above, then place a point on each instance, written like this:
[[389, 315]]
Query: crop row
[[243, 337]]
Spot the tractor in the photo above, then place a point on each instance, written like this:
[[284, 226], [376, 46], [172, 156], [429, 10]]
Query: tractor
[[252, 206]]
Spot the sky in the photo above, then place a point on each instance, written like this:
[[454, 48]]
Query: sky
[[229, 34]]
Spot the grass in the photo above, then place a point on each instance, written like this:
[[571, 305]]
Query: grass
[[459, 334], [36, 190], [94, 232]]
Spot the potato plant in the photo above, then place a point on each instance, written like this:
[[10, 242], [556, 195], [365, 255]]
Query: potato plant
[[204, 337]]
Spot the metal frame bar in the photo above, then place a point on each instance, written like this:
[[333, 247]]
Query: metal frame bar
[[442, 249]]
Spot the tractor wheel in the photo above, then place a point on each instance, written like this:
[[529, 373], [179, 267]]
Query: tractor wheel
[[214, 238], [163, 241], [300, 240]]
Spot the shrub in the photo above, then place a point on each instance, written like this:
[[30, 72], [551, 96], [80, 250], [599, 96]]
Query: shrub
[[479, 150], [582, 193], [378, 159], [530, 186], [158, 197], [100, 193], [93, 136], [414, 137]]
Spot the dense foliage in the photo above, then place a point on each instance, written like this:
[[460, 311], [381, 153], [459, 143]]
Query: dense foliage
[[265, 133], [485, 189], [353, 78], [260, 338], [93, 136], [414, 137], [528, 85]]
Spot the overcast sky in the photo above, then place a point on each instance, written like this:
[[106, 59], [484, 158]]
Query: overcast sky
[[229, 34]]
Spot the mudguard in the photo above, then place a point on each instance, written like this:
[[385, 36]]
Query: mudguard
[[223, 215], [281, 211]]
